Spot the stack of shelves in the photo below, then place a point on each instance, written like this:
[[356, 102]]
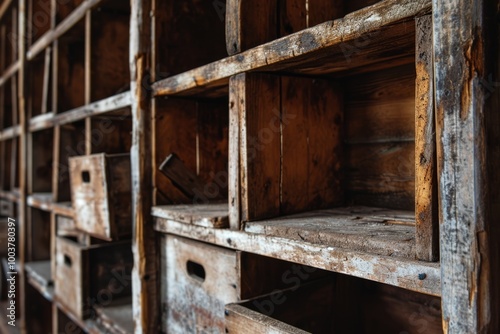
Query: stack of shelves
[[240, 166]]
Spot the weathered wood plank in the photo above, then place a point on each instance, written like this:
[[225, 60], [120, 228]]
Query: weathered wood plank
[[389, 270], [9, 72], [237, 88], [213, 215], [334, 46], [426, 210], [353, 230], [145, 292], [260, 149], [102, 107], [461, 65]]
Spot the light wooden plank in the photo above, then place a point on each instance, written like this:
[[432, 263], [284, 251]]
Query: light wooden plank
[[333, 41], [9, 72], [42, 201], [213, 215], [426, 211], [110, 104], [10, 133], [40, 277], [395, 271], [348, 228]]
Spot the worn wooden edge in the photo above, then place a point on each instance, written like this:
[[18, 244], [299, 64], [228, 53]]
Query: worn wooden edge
[[9, 195], [89, 325], [42, 201], [240, 318], [193, 216], [101, 107], [9, 72], [58, 31], [326, 35], [3, 8], [394, 271], [10, 133], [38, 280], [63, 209]]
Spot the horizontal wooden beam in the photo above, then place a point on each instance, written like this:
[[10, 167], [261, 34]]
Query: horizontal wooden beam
[[58, 31], [9, 195], [49, 120], [10, 133], [423, 277], [357, 40], [42, 201], [9, 72]]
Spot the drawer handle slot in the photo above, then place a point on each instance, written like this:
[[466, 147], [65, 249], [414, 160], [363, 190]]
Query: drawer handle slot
[[86, 176], [196, 271], [67, 260]]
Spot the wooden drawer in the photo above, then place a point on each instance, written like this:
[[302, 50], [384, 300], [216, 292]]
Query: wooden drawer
[[308, 309], [198, 280], [88, 276], [101, 195]]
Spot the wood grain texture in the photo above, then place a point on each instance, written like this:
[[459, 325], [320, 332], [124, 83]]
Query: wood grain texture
[[460, 63], [213, 215], [426, 210]]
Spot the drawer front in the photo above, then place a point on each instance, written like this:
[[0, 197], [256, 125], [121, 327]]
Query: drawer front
[[198, 281], [71, 276]]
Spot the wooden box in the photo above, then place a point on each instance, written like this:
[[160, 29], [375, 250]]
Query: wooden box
[[6, 208], [198, 280], [89, 276], [101, 195]]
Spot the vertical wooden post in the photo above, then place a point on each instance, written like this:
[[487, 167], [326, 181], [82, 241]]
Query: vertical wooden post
[[462, 64], [426, 218], [145, 283], [22, 223]]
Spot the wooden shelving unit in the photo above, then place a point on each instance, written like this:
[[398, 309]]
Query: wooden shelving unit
[[295, 166]]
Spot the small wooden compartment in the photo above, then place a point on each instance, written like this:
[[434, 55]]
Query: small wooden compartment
[[101, 195], [9, 171], [71, 68], [188, 34], [250, 23], [359, 142], [87, 276], [41, 162], [40, 81], [7, 208], [8, 33], [66, 8], [197, 132], [109, 51], [9, 108]]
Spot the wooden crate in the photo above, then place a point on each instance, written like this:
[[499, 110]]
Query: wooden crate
[[198, 279], [101, 195], [89, 276], [252, 23]]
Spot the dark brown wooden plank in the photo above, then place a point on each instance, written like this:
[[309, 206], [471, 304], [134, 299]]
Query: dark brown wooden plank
[[260, 146], [426, 210], [312, 151]]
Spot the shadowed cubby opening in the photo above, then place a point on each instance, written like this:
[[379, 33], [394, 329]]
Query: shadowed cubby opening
[[39, 19]]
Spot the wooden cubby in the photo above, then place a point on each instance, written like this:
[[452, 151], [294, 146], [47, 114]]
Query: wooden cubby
[[9, 180], [39, 19], [203, 149], [9, 32], [189, 34], [109, 44], [71, 68], [40, 80], [65, 9]]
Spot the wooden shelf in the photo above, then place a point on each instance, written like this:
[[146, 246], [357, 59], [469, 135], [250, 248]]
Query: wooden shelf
[[9, 72], [208, 215], [389, 25], [117, 318], [390, 270], [104, 106], [40, 277], [63, 209], [370, 230], [12, 196], [10, 133], [53, 34], [42, 201]]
